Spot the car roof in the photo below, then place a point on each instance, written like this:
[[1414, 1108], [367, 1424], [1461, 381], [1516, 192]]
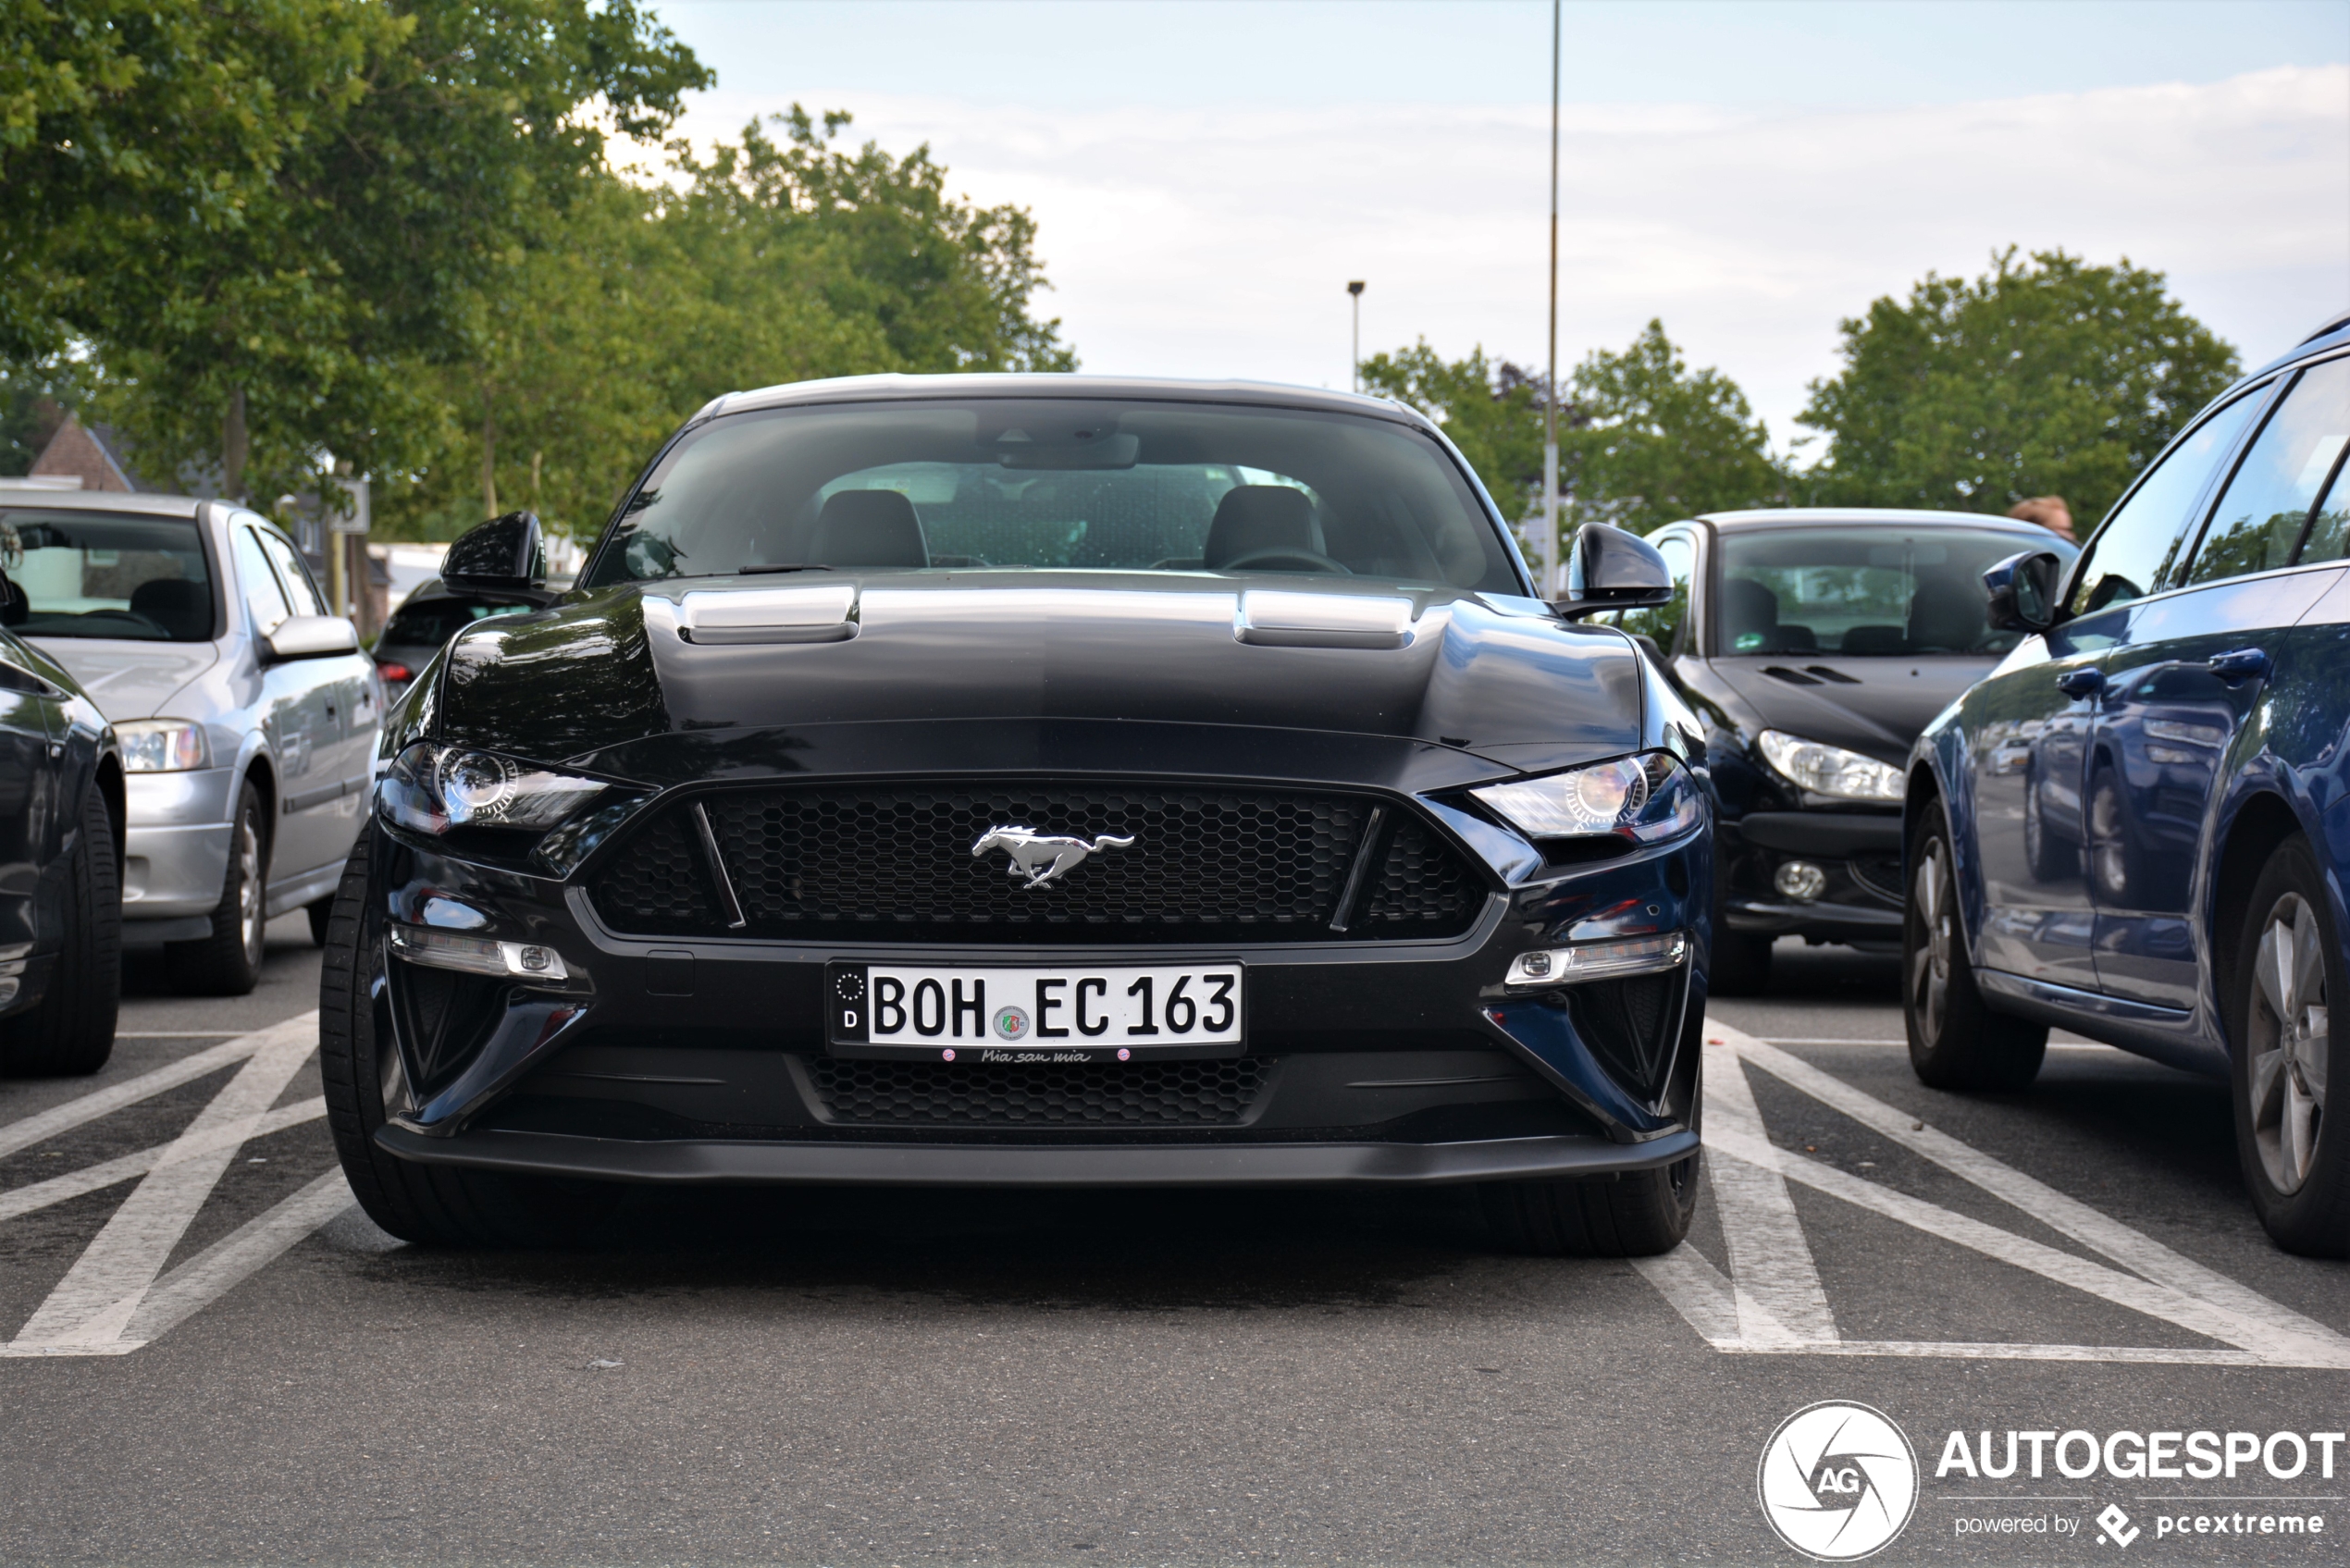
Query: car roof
[[1863, 515], [2333, 333], [893, 388], [154, 505]]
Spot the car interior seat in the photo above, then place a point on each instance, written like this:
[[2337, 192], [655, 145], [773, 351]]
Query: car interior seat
[[1750, 608], [179, 607], [869, 528], [1255, 517], [1945, 616]]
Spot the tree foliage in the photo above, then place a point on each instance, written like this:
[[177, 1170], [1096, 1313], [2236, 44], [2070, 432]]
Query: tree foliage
[[1644, 439], [264, 216], [2048, 376], [775, 258]]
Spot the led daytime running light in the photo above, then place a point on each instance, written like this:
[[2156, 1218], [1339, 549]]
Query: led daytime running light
[[1599, 960], [475, 955]]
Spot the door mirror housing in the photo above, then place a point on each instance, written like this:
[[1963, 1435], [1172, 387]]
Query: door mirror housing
[[310, 636], [1610, 569], [2022, 591], [503, 558]]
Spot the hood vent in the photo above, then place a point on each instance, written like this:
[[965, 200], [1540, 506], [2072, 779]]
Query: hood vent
[[810, 612], [1272, 619]]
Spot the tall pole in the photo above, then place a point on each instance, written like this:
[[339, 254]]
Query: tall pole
[[1354, 384], [1553, 543]]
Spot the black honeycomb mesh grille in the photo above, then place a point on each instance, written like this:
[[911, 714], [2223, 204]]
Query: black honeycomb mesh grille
[[1422, 883], [894, 862], [1214, 1093]]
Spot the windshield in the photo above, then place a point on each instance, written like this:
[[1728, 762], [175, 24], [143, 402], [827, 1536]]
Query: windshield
[[1048, 484], [106, 574], [432, 621], [1864, 592]]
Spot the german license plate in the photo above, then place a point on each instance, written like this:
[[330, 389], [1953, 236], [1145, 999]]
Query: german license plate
[[1108, 1013]]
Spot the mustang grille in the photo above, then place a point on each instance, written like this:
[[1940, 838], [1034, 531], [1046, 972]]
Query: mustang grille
[[1212, 1094], [894, 862]]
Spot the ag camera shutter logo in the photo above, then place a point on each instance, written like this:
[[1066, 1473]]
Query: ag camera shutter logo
[[1838, 1481]]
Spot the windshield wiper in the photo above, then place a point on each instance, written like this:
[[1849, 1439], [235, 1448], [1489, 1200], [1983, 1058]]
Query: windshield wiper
[[783, 566]]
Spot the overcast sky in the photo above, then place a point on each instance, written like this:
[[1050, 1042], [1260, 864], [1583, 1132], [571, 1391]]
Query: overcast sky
[[1208, 176]]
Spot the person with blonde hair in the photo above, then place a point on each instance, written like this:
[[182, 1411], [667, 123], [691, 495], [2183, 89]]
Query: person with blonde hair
[[2049, 511]]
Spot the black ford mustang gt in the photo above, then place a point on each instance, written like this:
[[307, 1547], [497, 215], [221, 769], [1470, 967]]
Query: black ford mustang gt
[[1021, 780]]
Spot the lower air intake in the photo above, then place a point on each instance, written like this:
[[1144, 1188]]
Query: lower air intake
[[1213, 1093]]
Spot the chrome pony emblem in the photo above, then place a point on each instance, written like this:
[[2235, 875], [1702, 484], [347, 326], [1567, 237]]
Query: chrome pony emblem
[[1040, 857]]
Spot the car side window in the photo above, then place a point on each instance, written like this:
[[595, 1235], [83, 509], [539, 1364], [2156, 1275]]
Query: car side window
[[1661, 624], [2134, 553], [264, 598], [2330, 525], [294, 572], [2260, 517]]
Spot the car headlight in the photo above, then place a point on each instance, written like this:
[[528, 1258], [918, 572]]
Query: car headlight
[[1831, 769], [163, 746], [435, 789], [1645, 799]]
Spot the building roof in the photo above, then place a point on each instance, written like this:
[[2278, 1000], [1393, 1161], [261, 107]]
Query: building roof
[[76, 451]]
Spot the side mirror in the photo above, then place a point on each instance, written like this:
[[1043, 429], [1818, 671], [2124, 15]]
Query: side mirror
[[505, 557], [310, 636], [1610, 569], [2022, 591]]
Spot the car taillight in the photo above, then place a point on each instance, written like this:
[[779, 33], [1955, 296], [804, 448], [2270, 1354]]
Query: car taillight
[[395, 672]]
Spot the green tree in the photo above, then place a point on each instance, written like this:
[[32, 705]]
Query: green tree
[[1646, 440], [397, 155], [1492, 409], [777, 259], [2048, 376]]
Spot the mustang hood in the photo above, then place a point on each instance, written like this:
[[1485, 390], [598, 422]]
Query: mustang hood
[[763, 654]]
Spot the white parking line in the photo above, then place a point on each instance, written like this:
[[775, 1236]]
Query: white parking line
[[40, 1128], [1777, 1296], [2165, 1286], [91, 1306], [95, 1177], [212, 1273]]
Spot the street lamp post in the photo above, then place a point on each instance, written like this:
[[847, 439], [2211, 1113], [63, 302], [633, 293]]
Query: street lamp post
[[1354, 291], [1551, 389]]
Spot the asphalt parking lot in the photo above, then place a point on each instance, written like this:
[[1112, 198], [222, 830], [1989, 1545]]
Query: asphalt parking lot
[[213, 1358]]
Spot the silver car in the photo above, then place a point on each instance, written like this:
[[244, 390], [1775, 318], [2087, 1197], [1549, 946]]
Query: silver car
[[247, 715]]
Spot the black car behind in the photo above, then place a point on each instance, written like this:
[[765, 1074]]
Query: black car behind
[[1816, 645]]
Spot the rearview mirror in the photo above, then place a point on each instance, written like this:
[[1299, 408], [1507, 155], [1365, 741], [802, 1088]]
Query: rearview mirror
[[2022, 591], [1610, 569], [505, 557], [311, 636]]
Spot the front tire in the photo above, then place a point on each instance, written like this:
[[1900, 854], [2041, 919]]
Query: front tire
[[2289, 965], [227, 963], [1638, 1214], [431, 1205], [69, 1033], [1955, 1040]]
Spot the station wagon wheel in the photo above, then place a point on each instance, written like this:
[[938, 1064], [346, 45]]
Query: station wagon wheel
[[1957, 1041], [2288, 966]]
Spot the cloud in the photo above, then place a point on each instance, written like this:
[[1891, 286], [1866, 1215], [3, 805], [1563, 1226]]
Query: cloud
[[1217, 240]]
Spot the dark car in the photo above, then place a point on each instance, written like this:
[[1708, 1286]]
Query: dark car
[[1002, 781], [1816, 645], [61, 820], [423, 624], [2138, 827]]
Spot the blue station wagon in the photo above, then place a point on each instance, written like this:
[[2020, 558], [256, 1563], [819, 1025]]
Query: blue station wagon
[[2137, 826]]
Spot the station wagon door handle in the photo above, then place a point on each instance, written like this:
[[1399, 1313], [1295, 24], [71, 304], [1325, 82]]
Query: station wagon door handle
[[2081, 683], [2244, 663]]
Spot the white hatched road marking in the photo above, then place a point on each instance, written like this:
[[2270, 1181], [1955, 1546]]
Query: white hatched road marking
[[112, 1301], [2162, 1284], [1777, 1297], [92, 1179], [48, 1124]]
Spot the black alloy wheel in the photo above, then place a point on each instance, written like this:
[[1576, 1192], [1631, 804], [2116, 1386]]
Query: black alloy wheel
[[69, 1033], [431, 1205], [1955, 1039], [2287, 1041], [1635, 1214], [227, 963]]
